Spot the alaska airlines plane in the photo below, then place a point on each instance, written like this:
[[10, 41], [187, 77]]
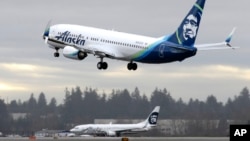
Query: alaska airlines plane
[[118, 129], [79, 41]]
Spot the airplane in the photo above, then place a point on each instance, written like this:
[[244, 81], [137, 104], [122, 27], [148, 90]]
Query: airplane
[[114, 130], [78, 41]]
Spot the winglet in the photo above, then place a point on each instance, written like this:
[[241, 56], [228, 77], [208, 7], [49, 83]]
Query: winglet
[[229, 38]]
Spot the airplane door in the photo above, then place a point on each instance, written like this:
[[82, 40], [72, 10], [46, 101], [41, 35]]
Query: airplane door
[[161, 50]]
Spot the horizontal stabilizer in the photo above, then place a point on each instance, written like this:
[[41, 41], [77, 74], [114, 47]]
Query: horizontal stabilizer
[[222, 45]]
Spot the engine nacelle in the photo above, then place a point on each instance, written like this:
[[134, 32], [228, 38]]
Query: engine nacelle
[[73, 53], [111, 133]]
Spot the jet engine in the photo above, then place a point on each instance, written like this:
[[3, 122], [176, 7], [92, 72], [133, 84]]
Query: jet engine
[[111, 133], [73, 53]]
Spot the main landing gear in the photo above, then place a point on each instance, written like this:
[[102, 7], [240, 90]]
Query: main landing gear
[[102, 65], [132, 66], [56, 54]]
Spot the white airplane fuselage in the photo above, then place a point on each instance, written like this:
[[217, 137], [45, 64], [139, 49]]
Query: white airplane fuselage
[[114, 127], [78, 41], [119, 45]]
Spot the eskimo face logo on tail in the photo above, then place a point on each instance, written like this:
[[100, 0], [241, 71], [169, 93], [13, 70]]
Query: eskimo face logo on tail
[[153, 118], [190, 27], [65, 37]]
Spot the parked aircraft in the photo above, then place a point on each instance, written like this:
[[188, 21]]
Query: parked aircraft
[[78, 41], [118, 129]]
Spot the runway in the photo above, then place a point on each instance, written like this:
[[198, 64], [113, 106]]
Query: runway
[[119, 139]]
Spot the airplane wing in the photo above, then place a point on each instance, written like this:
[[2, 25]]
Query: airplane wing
[[222, 45]]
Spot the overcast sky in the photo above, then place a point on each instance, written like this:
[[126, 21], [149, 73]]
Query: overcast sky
[[28, 66]]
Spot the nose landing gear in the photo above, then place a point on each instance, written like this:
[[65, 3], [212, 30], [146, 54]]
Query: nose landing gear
[[56, 54]]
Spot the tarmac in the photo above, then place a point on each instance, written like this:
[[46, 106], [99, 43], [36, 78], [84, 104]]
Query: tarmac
[[117, 139]]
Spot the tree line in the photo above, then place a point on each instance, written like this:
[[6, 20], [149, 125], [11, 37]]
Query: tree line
[[83, 106]]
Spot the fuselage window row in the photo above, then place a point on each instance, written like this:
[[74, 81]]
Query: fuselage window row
[[123, 44]]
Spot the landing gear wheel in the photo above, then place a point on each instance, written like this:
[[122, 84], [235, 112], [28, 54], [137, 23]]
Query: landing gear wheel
[[99, 65], [129, 66], [56, 54], [102, 65], [132, 66]]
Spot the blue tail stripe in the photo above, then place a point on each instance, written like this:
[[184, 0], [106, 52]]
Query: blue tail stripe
[[140, 55]]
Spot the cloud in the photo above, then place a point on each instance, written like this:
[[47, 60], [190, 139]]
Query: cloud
[[210, 72], [19, 67], [11, 87], [30, 70]]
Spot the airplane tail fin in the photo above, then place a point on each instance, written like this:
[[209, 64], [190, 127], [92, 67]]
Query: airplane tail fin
[[152, 118], [187, 32]]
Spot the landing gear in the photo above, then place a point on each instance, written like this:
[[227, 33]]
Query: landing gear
[[102, 65], [132, 66], [56, 54]]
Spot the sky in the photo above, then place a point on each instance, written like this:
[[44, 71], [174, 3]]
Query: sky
[[28, 66]]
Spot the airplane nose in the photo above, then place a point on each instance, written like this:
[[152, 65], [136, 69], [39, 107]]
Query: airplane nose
[[46, 33]]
